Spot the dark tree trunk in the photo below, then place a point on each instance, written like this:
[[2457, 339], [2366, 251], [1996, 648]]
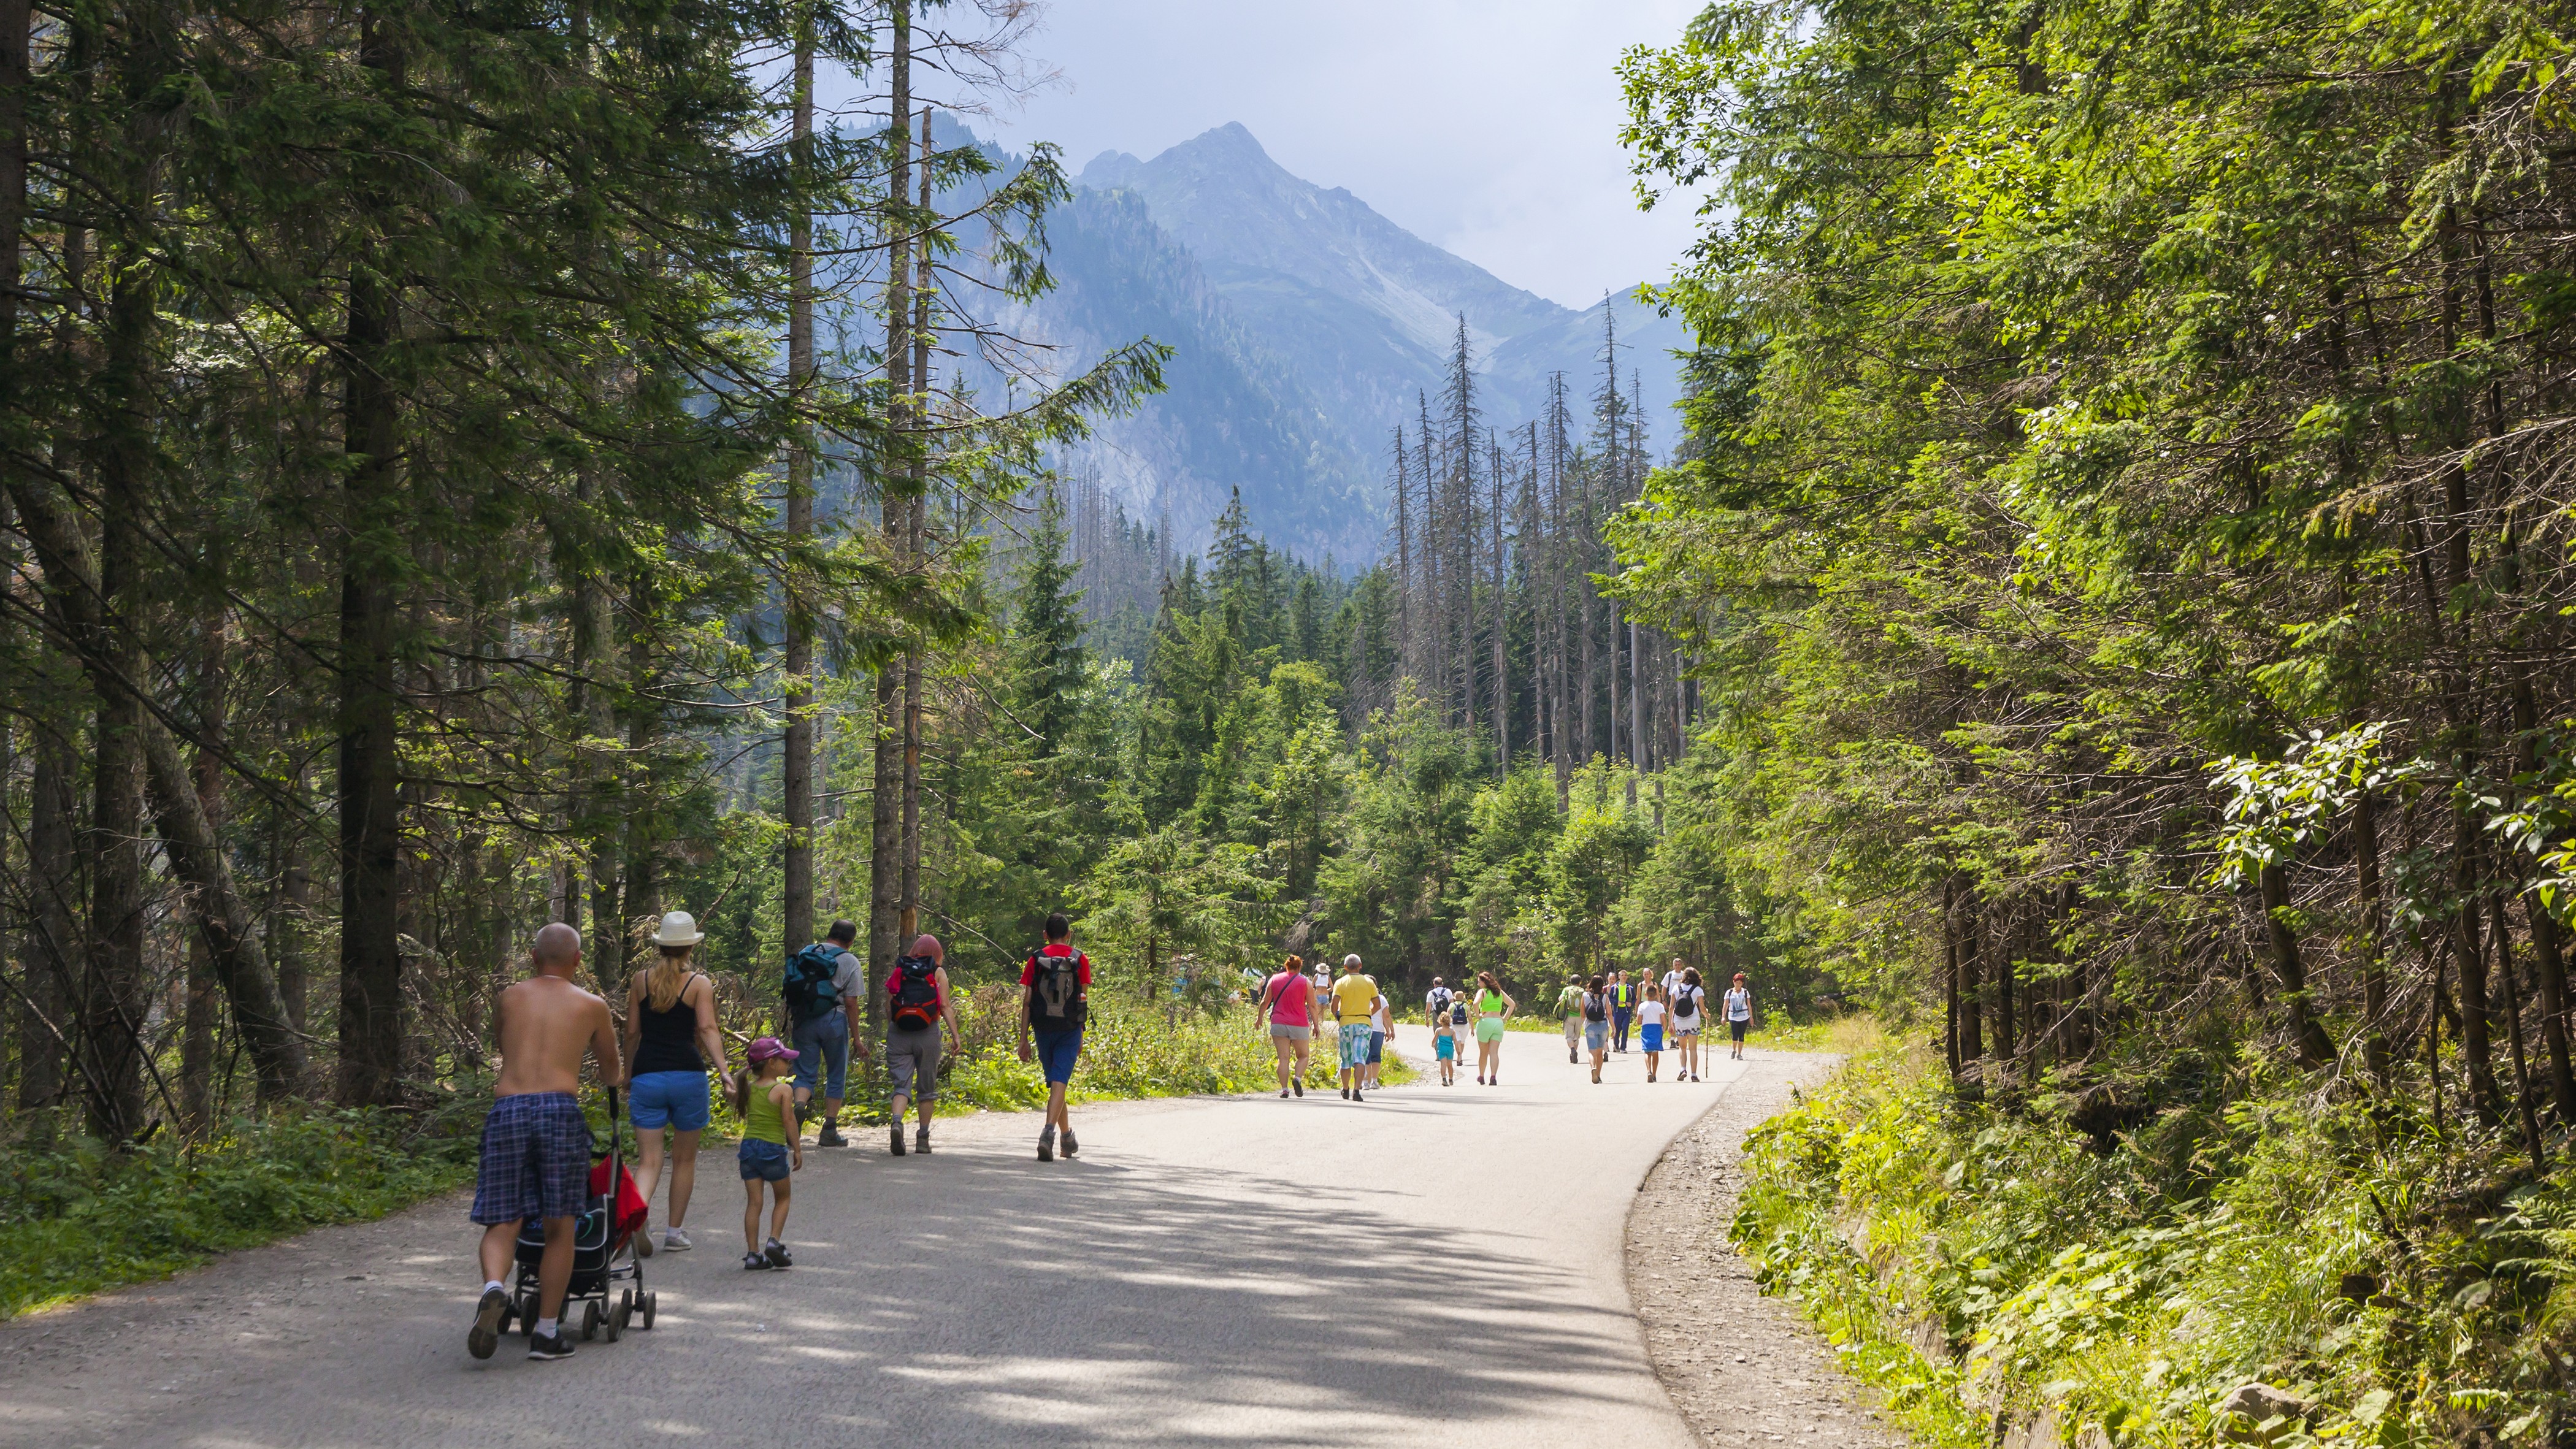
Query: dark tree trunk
[[2313, 1048], [373, 557]]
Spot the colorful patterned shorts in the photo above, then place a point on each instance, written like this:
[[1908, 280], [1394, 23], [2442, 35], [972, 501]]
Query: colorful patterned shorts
[[1355, 1043]]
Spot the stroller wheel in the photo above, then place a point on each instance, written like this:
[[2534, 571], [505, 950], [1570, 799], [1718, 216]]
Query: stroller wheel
[[617, 1320], [590, 1320], [650, 1301]]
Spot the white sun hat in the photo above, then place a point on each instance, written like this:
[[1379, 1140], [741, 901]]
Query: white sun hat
[[679, 928]]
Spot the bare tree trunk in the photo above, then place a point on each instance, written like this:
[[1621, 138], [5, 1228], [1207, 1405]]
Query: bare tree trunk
[[2374, 913], [797, 767], [885, 844], [2508, 978], [2314, 1050]]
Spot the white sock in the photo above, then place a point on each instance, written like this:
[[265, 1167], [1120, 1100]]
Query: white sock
[[546, 1327], [494, 1286]]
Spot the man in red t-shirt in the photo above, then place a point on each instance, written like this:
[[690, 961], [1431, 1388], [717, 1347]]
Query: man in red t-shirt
[[1055, 997], [1287, 999]]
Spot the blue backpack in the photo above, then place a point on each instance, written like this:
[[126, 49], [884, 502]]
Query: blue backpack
[[810, 990]]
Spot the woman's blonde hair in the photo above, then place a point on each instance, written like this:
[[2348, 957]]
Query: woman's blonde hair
[[663, 983]]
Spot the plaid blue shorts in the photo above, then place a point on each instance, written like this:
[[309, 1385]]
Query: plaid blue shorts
[[1355, 1044], [536, 1159]]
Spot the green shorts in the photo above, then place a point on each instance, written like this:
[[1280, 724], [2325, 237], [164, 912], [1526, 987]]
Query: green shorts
[[1490, 1029]]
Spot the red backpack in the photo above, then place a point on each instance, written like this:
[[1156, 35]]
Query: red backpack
[[913, 993]]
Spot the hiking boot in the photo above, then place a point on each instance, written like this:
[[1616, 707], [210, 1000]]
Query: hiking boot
[[485, 1335], [1046, 1145], [831, 1136], [921, 1141], [555, 1345], [1070, 1146], [894, 1140], [776, 1253]]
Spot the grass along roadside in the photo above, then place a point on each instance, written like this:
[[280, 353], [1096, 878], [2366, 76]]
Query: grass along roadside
[[2358, 1270]]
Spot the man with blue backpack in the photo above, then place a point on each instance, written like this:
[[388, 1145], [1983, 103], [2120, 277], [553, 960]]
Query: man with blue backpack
[[820, 980]]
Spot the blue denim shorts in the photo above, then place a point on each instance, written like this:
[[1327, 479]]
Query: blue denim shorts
[[656, 1100], [823, 1042], [765, 1161], [1056, 1051]]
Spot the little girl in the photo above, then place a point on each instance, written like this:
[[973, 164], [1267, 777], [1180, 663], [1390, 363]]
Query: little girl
[[763, 1095], [1444, 1044], [1650, 1026]]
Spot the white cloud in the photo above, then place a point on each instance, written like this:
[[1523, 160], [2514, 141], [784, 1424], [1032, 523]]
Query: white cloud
[[1489, 128]]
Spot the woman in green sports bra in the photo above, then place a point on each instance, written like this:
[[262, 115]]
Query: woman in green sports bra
[[1494, 1006]]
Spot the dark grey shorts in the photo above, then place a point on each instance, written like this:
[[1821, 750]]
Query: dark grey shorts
[[912, 1063]]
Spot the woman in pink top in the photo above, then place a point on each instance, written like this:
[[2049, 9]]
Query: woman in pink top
[[1285, 1002]]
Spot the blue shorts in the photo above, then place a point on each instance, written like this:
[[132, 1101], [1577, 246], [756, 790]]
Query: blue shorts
[[824, 1041], [1377, 1046], [1654, 1036], [1445, 1048], [762, 1161], [1596, 1036], [1355, 1044], [536, 1160], [657, 1100], [1056, 1051]]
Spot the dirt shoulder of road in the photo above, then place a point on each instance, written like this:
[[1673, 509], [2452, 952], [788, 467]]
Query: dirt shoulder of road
[[1743, 1369]]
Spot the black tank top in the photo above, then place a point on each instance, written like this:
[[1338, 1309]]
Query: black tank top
[[670, 1041]]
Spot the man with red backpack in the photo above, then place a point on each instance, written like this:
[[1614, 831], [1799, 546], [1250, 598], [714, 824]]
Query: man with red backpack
[[1055, 1002], [917, 1003]]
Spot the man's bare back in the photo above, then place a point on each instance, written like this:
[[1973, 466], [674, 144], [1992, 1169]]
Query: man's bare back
[[547, 1023]]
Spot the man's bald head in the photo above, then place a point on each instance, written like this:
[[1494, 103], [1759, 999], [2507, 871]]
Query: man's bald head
[[557, 947], [928, 945]]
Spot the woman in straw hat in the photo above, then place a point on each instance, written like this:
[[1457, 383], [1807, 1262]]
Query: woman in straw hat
[[671, 1044]]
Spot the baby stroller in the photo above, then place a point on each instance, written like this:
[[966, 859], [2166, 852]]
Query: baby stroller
[[607, 1275]]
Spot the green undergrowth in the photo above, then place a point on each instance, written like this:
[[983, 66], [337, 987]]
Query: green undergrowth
[[2107, 1266], [81, 1218]]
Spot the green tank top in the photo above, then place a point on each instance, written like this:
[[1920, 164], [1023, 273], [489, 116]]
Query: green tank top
[[1489, 1002], [760, 1119]]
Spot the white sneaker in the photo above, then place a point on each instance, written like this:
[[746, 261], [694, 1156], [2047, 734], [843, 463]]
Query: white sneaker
[[674, 1241]]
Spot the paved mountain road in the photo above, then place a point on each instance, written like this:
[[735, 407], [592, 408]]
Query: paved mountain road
[[1436, 1266]]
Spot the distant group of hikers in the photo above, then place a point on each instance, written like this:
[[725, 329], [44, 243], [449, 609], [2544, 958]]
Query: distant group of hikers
[[1672, 1011], [536, 1148]]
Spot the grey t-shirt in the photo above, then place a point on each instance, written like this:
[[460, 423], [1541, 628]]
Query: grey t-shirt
[[850, 979]]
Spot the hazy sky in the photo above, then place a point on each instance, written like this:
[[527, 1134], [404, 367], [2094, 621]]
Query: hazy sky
[[1487, 126]]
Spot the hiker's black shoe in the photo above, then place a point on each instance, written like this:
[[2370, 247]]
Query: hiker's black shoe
[[831, 1137], [776, 1254], [554, 1345], [753, 1261], [485, 1335], [1283, 1094], [1046, 1145], [1070, 1146], [1346, 1094], [1355, 1095], [1300, 1086], [894, 1140], [921, 1141]]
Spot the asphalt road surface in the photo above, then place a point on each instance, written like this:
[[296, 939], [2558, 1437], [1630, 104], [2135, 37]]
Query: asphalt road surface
[[1436, 1266]]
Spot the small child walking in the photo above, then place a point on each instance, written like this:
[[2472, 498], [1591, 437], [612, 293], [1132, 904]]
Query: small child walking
[[1650, 1027], [763, 1095], [1444, 1044]]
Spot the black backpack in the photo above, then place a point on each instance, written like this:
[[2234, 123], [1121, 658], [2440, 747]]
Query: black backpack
[[810, 989], [914, 999], [1057, 1001], [1440, 1003], [1596, 1006]]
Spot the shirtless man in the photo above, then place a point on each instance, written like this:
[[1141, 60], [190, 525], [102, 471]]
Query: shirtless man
[[536, 1146]]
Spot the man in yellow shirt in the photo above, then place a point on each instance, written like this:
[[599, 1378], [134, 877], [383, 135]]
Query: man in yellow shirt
[[1355, 1005]]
